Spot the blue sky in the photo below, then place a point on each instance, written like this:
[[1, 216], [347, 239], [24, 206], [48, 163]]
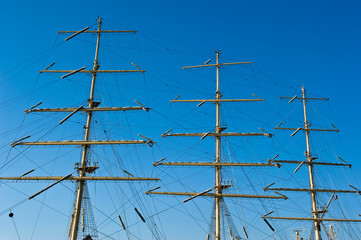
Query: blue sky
[[315, 44]]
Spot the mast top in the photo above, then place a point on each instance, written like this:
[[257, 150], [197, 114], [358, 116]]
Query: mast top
[[303, 98], [217, 64], [99, 20]]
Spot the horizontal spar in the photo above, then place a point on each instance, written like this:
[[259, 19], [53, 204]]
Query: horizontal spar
[[219, 100], [85, 109], [82, 142], [91, 71], [212, 164], [218, 195], [79, 178], [325, 99], [312, 163], [309, 190], [214, 134], [310, 129], [101, 31], [314, 219], [214, 65]]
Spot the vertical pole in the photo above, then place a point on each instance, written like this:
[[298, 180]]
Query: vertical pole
[[218, 155], [297, 235], [83, 165], [310, 168]]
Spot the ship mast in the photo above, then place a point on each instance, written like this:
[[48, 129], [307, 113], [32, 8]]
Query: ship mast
[[83, 168], [317, 213], [310, 167], [83, 164], [218, 153], [217, 164]]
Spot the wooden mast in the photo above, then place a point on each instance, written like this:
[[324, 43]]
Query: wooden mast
[[310, 168], [310, 161], [217, 186], [83, 164], [84, 168], [218, 133]]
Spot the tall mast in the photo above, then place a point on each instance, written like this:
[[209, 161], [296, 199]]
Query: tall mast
[[218, 154], [317, 213], [84, 161], [218, 133], [310, 167], [83, 168]]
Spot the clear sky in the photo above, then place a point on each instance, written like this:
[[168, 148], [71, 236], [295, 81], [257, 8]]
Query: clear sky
[[315, 44]]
